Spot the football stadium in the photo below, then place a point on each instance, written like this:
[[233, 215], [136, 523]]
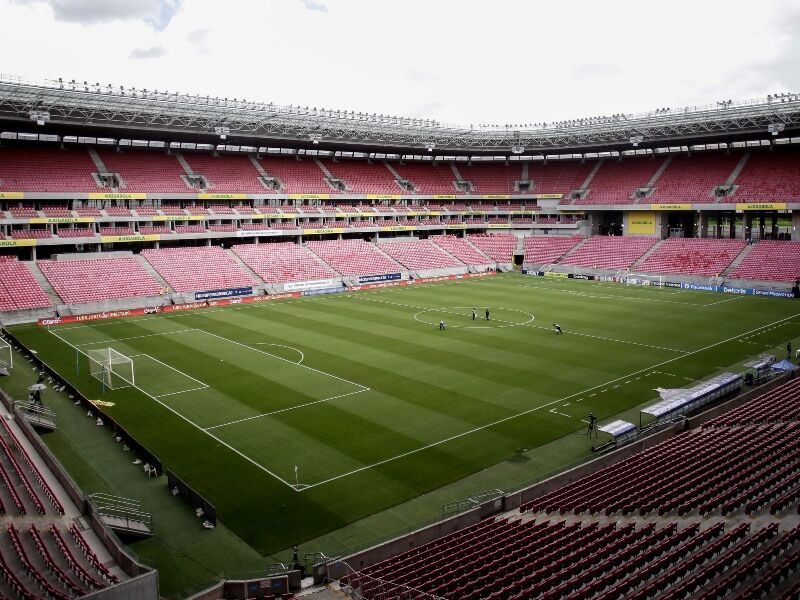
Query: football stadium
[[256, 350]]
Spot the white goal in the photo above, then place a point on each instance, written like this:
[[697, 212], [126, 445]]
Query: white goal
[[111, 368], [641, 279], [6, 355]]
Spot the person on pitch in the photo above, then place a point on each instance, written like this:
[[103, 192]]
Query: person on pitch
[[442, 326], [487, 313], [474, 314], [557, 328]]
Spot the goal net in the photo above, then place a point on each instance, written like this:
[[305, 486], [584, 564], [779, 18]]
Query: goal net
[[111, 368], [6, 356], [641, 279]]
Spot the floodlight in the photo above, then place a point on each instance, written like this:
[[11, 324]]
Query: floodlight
[[775, 128], [636, 140]]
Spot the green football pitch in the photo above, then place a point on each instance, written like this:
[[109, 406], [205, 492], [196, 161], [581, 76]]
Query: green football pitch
[[298, 417]]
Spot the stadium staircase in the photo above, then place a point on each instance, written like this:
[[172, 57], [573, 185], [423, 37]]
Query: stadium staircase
[[574, 249], [98, 162], [737, 169], [588, 181], [645, 256], [395, 174], [259, 167], [245, 267], [651, 184], [737, 261], [319, 259], [329, 176], [152, 272], [43, 282]]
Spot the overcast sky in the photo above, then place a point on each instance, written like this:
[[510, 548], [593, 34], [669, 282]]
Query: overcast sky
[[462, 61]]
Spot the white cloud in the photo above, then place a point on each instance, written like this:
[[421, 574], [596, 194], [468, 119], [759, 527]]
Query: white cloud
[[151, 52], [456, 61], [315, 5]]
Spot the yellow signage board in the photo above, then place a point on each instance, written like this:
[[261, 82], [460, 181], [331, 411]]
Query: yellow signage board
[[117, 196], [348, 214], [496, 196], [324, 231], [444, 196], [457, 226], [310, 196], [16, 243], [40, 220], [671, 206], [556, 274], [112, 239], [761, 206], [499, 225], [548, 196], [398, 228], [178, 217], [12, 195], [208, 196], [383, 196], [642, 223]]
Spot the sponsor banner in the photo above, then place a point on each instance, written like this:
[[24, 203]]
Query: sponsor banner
[[670, 284], [773, 293], [256, 217], [495, 196], [113, 239], [214, 294], [309, 196], [700, 287], [498, 225], [321, 291], [348, 214], [310, 285], [433, 213], [207, 196], [385, 277], [642, 223], [383, 196], [671, 206], [117, 196], [12, 195], [16, 243], [40, 220], [398, 228], [176, 217], [324, 231], [761, 206], [457, 226], [548, 196], [444, 196], [581, 277], [252, 232], [556, 274], [736, 290]]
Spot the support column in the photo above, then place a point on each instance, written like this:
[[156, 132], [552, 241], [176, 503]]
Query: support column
[[732, 227], [208, 242], [33, 253], [718, 233], [762, 225], [747, 223], [703, 225], [795, 226], [774, 226]]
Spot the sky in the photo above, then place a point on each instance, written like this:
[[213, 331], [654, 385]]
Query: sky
[[456, 61]]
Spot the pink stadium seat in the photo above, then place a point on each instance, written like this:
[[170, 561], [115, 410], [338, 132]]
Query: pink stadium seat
[[117, 231], [603, 252], [547, 249], [283, 262], [190, 229], [30, 234], [354, 257], [769, 177], [692, 256], [80, 281], [363, 177], [461, 249], [693, 178], [70, 232], [46, 170], [500, 248], [196, 269], [146, 171], [297, 176], [19, 289], [492, 178], [617, 180], [420, 254], [771, 261], [227, 173], [429, 178], [558, 177]]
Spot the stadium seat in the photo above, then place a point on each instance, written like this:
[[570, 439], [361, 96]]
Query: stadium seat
[[197, 269], [690, 256], [770, 261], [283, 262], [81, 281], [608, 252]]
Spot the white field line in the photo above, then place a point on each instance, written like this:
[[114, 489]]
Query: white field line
[[197, 389], [286, 360], [528, 324], [135, 337], [605, 296], [530, 410], [283, 410], [300, 352], [723, 301], [176, 370], [193, 424]]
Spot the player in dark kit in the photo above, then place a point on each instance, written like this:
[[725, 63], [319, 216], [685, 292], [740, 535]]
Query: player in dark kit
[[557, 328], [487, 314]]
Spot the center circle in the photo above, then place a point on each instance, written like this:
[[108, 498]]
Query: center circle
[[460, 317]]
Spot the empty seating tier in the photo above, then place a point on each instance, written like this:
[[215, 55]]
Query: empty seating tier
[[297, 176], [436, 178], [196, 269], [691, 256], [461, 249], [364, 177], [500, 248], [354, 257], [779, 404], [46, 170], [693, 178], [145, 171], [543, 250], [617, 180], [770, 261], [492, 178], [769, 177], [558, 177], [420, 254], [19, 289], [603, 252], [227, 173], [283, 262], [81, 281]]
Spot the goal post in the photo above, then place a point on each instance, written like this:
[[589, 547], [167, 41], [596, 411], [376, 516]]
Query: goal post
[[644, 279], [111, 368], [6, 355]]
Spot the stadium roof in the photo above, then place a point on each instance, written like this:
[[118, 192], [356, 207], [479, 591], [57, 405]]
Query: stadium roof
[[81, 108]]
